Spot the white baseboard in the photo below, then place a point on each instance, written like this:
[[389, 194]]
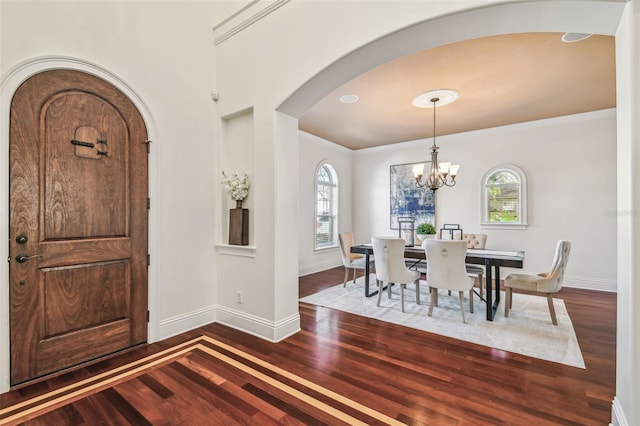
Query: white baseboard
[[591, 283], [273, 331], [181, 323], [617, 414]]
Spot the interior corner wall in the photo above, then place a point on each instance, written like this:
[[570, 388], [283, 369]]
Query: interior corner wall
[[570, 165], [314, 151], [173, 73]]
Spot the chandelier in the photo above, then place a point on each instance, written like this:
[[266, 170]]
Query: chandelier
[[439, 174]]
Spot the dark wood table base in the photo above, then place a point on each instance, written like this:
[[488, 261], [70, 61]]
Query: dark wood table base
[[490, 259]]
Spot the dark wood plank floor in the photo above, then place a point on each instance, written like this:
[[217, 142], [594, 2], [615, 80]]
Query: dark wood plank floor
[[404, 374]]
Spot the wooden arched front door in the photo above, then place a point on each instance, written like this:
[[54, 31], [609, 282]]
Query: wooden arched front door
[[78, 189]]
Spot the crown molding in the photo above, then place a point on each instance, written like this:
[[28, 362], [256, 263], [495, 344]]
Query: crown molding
[[244, 18]]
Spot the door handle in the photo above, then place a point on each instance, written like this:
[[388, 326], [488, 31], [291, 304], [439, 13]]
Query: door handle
[[21, 258]]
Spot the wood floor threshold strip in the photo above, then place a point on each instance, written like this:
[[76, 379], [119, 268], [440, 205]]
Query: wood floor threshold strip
[[298, 394], [93, 384], [42, 404], [320, 389]]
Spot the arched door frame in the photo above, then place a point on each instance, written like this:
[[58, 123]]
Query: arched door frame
[[14, 78]]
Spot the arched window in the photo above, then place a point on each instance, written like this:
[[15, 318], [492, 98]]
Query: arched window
[[504, 197], [326, 207]]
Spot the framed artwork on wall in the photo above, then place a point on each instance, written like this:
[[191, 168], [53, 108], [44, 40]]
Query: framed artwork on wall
[[408, 200]]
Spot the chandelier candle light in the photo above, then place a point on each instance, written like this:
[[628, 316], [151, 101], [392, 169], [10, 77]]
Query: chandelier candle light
[[238, 189], [439, 174]]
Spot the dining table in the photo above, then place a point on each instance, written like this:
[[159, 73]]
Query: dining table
[[492, 259]]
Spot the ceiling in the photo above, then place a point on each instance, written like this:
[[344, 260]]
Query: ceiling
[[501, 80]]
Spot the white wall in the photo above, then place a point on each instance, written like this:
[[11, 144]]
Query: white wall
[[570, 165], [313, 152], [164, 52]]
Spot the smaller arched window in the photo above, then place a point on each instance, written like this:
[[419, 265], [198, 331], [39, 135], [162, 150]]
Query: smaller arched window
[[504, 197], [326, 222]]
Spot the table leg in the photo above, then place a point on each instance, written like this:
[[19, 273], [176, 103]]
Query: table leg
[[489, 290], [493, 285], [366, 277], [497, 298]]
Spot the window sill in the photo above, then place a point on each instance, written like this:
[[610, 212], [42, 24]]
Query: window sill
[[519, 226], [325, 249]]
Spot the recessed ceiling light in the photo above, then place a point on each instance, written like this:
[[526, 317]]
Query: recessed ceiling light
[[349, 99], [445, 96], [572, 37]]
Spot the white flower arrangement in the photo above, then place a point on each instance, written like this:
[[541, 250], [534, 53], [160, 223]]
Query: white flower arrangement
[[236, 186]]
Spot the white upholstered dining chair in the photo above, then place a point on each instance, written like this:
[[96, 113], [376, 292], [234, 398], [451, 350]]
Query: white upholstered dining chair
[[391, 269], [350, 260], [546, 282], [447, 271], [476, 241]]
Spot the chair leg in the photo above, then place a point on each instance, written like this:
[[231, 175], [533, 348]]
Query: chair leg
[[552, 310], [418, 291], [434, 296], [471, 301], [402, 286], [354, 275], [461, 296], [380, 287], [481, 285], [507, 301], [389, 290], [346, 275]]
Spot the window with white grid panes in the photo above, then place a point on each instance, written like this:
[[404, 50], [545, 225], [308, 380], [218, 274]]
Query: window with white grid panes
[[326, 207], [504, 197]]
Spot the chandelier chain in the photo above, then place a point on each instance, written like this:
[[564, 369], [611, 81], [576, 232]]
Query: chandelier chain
[[439, 174]]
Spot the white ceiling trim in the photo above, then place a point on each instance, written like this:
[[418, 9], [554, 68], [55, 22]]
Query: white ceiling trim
[[244, 18]]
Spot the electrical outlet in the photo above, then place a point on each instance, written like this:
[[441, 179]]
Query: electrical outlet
[[239, 297]]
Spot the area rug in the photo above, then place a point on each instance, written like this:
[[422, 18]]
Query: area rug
[[528, 329]]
